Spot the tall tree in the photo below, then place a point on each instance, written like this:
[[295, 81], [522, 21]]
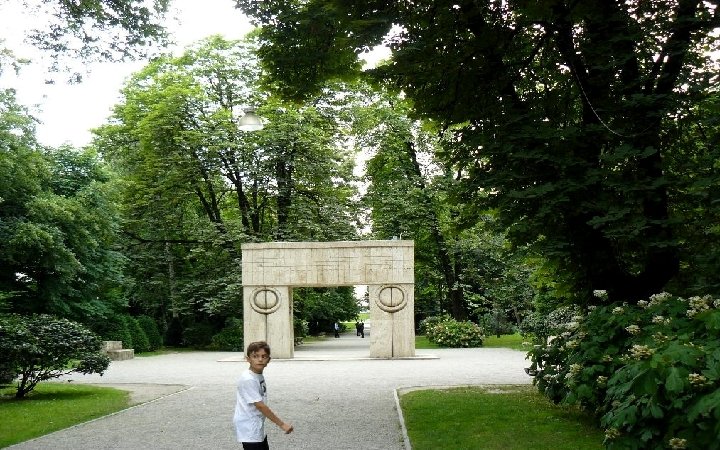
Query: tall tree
[[197, 186], [555, 112], [108, 30], [57, 225], [466, 272]]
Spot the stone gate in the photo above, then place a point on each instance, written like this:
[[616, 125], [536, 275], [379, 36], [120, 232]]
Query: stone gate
[[271, 270]]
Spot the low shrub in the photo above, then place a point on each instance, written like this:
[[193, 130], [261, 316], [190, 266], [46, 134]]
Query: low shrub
[[229, 338], [650, 372], [301, 328], [430, 321], [41, 347], [496, 323], [452, 333]]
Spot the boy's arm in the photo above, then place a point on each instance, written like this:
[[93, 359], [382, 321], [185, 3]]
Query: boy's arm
[[267, 412]]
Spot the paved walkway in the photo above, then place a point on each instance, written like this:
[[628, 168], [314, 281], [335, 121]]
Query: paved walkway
[[335, 396]]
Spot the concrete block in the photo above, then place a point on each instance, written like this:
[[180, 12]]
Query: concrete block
[[121, 355]]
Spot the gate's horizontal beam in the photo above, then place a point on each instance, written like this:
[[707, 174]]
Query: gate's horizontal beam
[[344, 263]]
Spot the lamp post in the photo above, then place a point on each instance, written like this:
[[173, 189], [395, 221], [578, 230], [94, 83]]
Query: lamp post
[[250, 121]]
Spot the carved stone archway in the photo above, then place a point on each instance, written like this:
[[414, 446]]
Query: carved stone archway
[[270, 271]]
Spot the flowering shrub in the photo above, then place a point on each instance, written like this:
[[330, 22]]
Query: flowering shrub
[[650, 372], [449, 332], [429, 322], [541, 327]]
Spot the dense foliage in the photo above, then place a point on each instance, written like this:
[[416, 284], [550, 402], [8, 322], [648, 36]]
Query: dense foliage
[[650, 372], [42, 347], [566, 118], [469, 272], [195, 187], [58, 225], [73, 33]]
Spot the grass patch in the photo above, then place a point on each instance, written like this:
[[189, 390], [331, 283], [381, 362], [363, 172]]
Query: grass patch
[[422, 342], [499, 417], [512, 341], [166, 351], [54, 406]]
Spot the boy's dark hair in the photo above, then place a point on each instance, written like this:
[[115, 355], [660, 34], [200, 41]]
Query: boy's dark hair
[[256, 346]]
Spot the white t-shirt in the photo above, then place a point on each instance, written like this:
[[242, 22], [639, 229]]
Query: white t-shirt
[[249, 421]]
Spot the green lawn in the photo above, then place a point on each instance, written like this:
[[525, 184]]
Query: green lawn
[[421, 342], [499, 417], [54, 406], [513, 341]]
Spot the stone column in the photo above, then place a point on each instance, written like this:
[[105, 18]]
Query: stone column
[[392, 331], [267, 316]]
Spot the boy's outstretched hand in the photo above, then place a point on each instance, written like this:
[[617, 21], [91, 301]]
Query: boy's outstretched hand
[[287, 428]]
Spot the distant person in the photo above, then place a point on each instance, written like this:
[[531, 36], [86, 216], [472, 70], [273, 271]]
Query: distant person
[[251, 401], [337, 330], [362, 329], [357, 328]]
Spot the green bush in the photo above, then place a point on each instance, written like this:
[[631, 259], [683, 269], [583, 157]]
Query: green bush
[[198, 335], [496, 323], [431, 321], [114, 328], [452, 333], [141, 343], [229, 338], [650, 372], [151, 331], [301, 328], [7, 373], [42, 347]]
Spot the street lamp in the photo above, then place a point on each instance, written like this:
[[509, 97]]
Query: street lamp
[[250, 121]]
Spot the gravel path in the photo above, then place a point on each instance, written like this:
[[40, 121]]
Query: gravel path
[[334, 395]]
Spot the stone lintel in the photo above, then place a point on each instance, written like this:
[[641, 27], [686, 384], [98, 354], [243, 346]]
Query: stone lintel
[[344, 263]]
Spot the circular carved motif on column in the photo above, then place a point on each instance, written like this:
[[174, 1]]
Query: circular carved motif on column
[[391, 299], [265, 300]]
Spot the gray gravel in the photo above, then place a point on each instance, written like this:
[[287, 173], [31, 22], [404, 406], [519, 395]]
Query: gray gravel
[[334, 395]]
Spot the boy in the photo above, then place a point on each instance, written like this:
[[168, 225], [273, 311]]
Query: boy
[[251, 401]]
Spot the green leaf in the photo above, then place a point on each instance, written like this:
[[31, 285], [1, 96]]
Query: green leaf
[[676, 380], [706, 405]]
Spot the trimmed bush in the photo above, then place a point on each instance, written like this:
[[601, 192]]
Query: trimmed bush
[[42, 347], [650, 372], [453, 333], [141, 343], [151, 331], [229, 338], [114, 328]]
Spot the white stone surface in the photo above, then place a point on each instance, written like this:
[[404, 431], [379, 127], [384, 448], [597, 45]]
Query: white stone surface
[[270, 271]]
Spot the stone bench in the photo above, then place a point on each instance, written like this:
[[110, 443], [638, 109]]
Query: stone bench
[[115, 351]]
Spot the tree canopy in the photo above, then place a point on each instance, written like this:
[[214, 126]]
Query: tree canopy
[[57, 224], [195, 186], [564, 117], [94, 29]]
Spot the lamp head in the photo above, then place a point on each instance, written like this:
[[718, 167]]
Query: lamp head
[[250, 121]]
